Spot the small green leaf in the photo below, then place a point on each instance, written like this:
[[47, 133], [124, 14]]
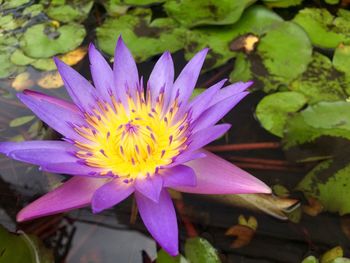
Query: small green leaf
[[190, 13], [281, 3], [199, 250], [9, 4], [323, 28], [144, 37], [332, 254], [163, 257], [321, 81], [310, 259], [76, 11], [273, 110], [22, 248], [44, 40], [21, 121]]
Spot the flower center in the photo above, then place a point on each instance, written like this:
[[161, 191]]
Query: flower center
[[133, 140]]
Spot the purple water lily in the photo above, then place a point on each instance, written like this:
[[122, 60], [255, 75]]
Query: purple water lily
[[120, 139]]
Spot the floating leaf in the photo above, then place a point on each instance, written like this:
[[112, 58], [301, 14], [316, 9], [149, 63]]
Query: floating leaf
[[8, 22], [22, 248], [199, 250], [22, 81], [285, 51], [7, 68], [243, 234], [321, 119], [50, 80], [310, 259], [45, 40], [321, 81], [323, 28], [19, 58], [282, 3], [273, 110], [329, 183], [241, 71], [21, 121], [341, 62], [190, 13], [163, 257], [255, 20], [33, 10], [74, 11], [144, 38], [332, 254], [12, 4]]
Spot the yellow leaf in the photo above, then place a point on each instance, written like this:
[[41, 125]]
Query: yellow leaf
[[50, 80]]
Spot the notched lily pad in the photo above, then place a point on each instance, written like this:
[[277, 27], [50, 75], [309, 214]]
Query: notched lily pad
[[273, 110], [144, 37], [45, 40], [256, 21], [69, 11], [190, 13], [324, 30], [329, 182], [321, 119], [321, 81]]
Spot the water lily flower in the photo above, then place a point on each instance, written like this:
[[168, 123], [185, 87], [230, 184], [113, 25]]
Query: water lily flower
[[120, 138]]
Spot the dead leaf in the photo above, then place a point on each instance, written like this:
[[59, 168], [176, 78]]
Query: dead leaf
[[73, 57], [50, 80], [314, 208], [22, 81], [243, 234]]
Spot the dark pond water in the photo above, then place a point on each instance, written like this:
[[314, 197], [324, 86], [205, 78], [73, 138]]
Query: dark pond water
[[117, 236]]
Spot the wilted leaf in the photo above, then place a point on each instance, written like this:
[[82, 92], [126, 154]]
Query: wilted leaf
[[190, 13], [199, 250], [21, 121], [313, 208], [323, 28], [22, 81], [243, 234], [273, 110], [332, 254], [45, 40], [321, 81], [144, 37], [50, 80], [22, 248], [163, 257]]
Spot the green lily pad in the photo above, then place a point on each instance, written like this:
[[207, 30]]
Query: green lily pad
[[321, 119], [22, 248], [163, 257], [341, 62], [255, 20], [44, 40], [190, 13], [310, 259], [21, 120], [8, 23], [144, 37], [19, 58], [332, 2], [282, 3], [241, 71], [285, 51], [33, 10], [273, 110], [9, 4], [329, 185], [323, 28], [321, 81], [73, 11], [199, 250], [7, 68]]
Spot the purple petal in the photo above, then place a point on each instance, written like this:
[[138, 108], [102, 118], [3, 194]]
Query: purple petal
[[213, 114], [186, 157], [206, 136], [187, 79], [150, 187], [80, 90], [201, 102], [75, 193], [160, 220], [39, 152], [53, 114], [180, 175], [218, 176], [230, 90], [73, 168], [101, 73], [162, 76], [53, 100], [110, 194], [126, 77]]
